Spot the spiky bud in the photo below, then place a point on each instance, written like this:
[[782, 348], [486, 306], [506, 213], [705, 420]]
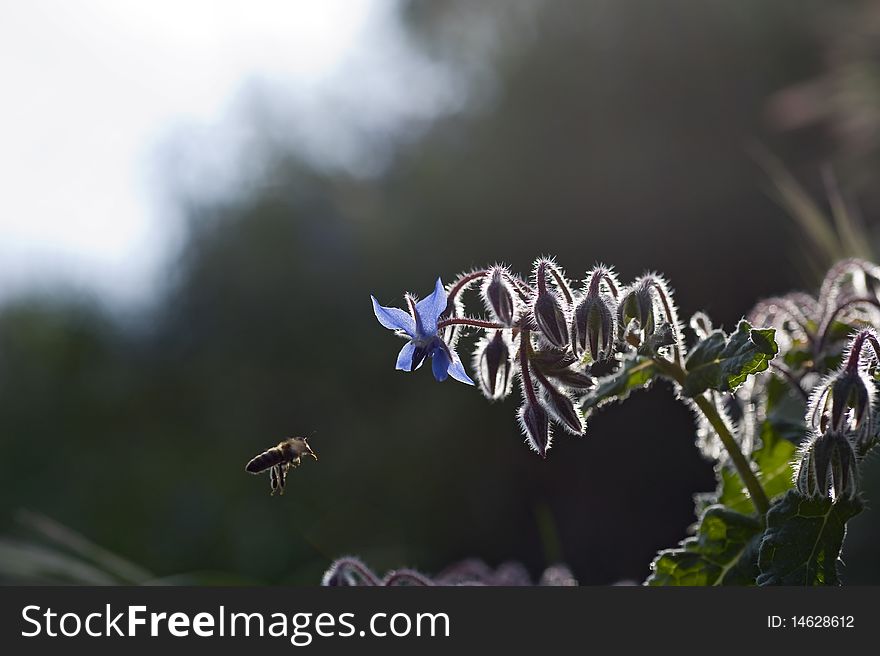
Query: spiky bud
[[637, 305], [550, 318], [535, 424], [560, 405], [499, 296], [850, 391], [594, 327], [562, 367], [492, 362], [828, 465], [843, 403]]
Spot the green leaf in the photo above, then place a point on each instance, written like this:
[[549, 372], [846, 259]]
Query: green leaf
[[802, 542], [721, 363], [634, 373], [723, 552], [732, 492]]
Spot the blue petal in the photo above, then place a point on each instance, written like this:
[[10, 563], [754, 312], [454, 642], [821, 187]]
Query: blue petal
[[456, 370], [440, 364], [430, 308], [405, 357], [394, 318]]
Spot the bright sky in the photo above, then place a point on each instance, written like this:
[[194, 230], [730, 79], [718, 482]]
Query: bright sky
[[93, 88]]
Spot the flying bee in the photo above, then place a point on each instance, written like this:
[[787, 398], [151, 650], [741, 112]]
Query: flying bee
[[280, 459]]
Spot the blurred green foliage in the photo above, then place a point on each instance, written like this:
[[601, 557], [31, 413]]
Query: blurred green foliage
[[615, 132]]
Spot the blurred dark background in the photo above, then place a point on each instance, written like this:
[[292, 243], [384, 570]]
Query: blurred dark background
[[619, 132]]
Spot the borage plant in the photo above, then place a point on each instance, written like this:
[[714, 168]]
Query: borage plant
[[785, 404]]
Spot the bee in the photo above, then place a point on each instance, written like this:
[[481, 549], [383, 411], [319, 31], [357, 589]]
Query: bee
[[279, 460]]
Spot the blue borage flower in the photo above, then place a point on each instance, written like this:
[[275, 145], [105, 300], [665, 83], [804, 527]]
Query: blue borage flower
[[420, 326]]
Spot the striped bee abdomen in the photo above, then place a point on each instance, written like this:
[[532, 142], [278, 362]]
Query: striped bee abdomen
[[263, 461]]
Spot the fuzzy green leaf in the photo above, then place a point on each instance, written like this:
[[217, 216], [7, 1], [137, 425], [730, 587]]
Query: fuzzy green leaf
[[632, 374], [802, 542], [723, 363], [723, 552]]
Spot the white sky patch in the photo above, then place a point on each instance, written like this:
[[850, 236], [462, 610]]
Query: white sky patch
[[92, 88]]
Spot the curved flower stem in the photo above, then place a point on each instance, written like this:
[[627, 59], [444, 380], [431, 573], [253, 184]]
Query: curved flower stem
[[528, 386], [826, 325], [407, 577], [710, 412], [522, 287], [671, 317], [473, 323], [557, 277], [353, 564], [560, 282], [792, 381], [601, 274], [858, 343], [464, 281]]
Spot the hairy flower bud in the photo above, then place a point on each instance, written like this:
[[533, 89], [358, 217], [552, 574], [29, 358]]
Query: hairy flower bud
[[560, 406], [499, 296], [843, 403], [562, 367], [805, 478], [536, 426], [637, 304], [828, 465], [492, 361], [550, 318], [594, 327], [850, 391]]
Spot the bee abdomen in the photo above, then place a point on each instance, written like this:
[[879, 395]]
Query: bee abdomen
[[265, 460]]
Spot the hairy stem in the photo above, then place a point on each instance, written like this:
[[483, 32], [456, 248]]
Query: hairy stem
[[407, 577], [792, 381], [528, 387], [473, 323], [828, 323], [858, 343], [463, 281], [753, 485], [710, 412]]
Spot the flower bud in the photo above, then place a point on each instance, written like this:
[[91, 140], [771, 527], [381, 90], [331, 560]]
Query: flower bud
[[560, 406], [492, 362], [828, 464], [849, 391], [637, 304], [594, 327], [500, 297], [536, 426], [806, 479], [844, 469], [550, 318], [843, 403], [562, 367]]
